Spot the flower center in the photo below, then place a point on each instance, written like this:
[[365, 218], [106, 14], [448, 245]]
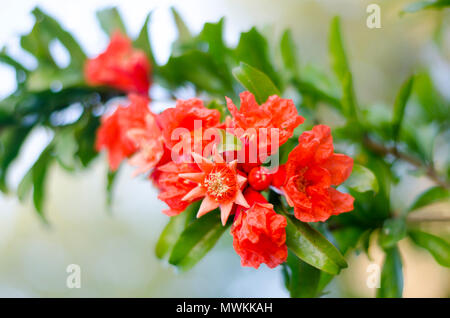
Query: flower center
[[300, 182], [220, 183]]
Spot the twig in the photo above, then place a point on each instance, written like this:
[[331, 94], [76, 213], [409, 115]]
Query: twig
[[383, 151]]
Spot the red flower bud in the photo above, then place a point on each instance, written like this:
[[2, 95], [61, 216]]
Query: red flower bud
[[260, 178]]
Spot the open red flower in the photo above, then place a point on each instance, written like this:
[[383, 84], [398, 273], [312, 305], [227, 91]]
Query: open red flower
[[218, 183], [257, 121], [184, 116], [120, 66], [112, 134], [259, 233], [311, 171], [173, 188]]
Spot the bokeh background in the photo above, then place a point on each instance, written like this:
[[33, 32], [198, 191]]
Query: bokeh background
[[114, 247]]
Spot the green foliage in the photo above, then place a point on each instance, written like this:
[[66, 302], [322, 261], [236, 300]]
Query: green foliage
[[400, 105], [196, 240], [430, 196], [301, 279], [362, 180], [391, 283], [393, 230], [428, 4], [256, 82], [111, 21], [173, 230], [437, 247], [312, 247]]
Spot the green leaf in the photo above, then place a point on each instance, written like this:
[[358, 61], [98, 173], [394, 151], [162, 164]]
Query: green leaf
[[256, 82], [422, 5], [349, 104], [143, 42], [21, 71], [430, 196], [338, 56], [439, 248], [302, 279], [111, 21], [212, 34], [11, 142], [347, 237], [38, 177], [312, 247], [171, 233], [65, 148], [400, 105], [54, 29], [198, 68], [253, 50], [289, 53], [37, 44], [196, 240], [391, 283], [184, 34], [393, 230], [362, 180]]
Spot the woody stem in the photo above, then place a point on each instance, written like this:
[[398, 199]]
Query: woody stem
[[383, 150]]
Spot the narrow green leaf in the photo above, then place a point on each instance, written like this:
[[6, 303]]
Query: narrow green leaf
[[391, 283], [39, 177], [349, 104], [11, 142], [289, 53], [111, 21], [6, 59], [173, 230], [143, 41], [393, 230], [437, 247], [400, 105], [338, 56], [362, 180], [430, 196], [303, 278], [196, 240], [312, 247], [256, 82], [184, 34]]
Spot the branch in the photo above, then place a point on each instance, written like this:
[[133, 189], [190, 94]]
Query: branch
[[382, 150]]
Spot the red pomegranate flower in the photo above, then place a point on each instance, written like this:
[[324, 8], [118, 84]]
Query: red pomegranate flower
[[120, 66], [112, 134], [219, 183], [259, 234], [252, 119], [184, 115], [173, 188], [311, 170]]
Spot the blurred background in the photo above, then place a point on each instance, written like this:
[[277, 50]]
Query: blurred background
[[115, 247]]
